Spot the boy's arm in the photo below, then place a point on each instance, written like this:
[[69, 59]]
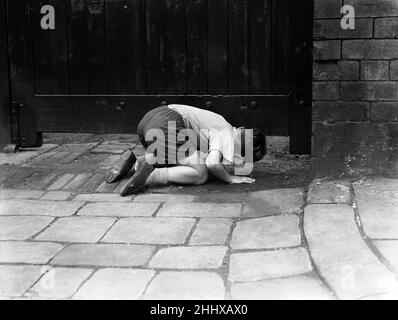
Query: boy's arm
[[213, 163]]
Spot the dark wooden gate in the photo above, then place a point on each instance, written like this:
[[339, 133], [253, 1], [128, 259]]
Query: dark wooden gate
[[109, 61]]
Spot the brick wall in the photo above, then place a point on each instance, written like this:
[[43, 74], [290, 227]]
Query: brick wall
[[355, 89]]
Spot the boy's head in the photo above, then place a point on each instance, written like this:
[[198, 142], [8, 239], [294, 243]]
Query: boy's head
[[259, 144]]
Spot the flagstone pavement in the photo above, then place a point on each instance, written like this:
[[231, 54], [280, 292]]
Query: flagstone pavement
[[65, 234]]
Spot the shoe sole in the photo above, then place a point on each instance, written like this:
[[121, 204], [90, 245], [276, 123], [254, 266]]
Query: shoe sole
[[137, 182]]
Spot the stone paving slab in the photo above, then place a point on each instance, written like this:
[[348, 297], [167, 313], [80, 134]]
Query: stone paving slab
[[105, 255], [211, 231], [115, 284], [77, 229], [150, 230], [295, 288], [27, 252], [163, 197], [204, 210], [16, 207], [254, 266], [267, 233], [15, 280], [59, 283], [56, 195], [342, 256], [323, 192], [186, 286], [115, 209], [20, 194], [189, 258], [273, 202], [377, 202], [101, 197], [22, 227], [389, 250]]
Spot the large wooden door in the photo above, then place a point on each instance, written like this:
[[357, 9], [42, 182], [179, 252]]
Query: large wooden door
[[109, 61]]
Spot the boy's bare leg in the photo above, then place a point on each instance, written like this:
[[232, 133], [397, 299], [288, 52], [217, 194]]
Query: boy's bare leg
[[189, 171]]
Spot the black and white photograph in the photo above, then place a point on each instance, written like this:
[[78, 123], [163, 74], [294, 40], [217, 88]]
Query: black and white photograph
[[219, 152]]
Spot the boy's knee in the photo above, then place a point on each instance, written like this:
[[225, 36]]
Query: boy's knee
[[202, 176]]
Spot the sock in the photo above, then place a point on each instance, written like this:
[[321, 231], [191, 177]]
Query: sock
[[158, 177]]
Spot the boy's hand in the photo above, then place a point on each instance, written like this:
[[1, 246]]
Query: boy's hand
[[236, 180]]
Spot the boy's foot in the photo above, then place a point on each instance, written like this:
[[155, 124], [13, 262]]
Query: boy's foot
[[121, 167], [137, 182]]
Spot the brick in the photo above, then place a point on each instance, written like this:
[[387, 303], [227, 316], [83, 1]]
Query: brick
[[273, 202], [353, 271], [56, 195], [77, 229], [371, 91], [327, 9], [296, 288], [61, 182], [326, 90], [92, 183], [109, 162], [394, 70], [59, 283], [115, 209], [189, 258], [186, 286], [101, 197], [207, 210], [22, 228], [329, 192], [385, 111], [370, 49], [105, 255], [164, 197], [389, 250], [327, 50], [374, 70], [386, 28], [27, 252], [336, 70], [267, 233], [77, 181], [115, 284], [20, 194], [39, 207], [15, 280], [337, 111], [25, 155], [374, 8], [150, 230], [331, 29], [254, 266], [377, 202], [211, 231]]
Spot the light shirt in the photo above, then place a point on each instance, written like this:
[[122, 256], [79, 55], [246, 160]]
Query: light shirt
[[215, 133]]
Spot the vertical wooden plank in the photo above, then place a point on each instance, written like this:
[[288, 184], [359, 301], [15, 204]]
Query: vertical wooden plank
[[176, 47], [87, 42], [281, 45], [217, 46], [5, 124], [196, 46], [50, 50], [301, 77], [78, 38], [116, 45], [239, 77], [135, 46], [156, 46], [260, 46]]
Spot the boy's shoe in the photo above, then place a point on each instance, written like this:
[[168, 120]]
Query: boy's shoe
[[137, 182], [121, 167]]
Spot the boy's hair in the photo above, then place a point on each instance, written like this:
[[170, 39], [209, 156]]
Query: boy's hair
[[259, 144]]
